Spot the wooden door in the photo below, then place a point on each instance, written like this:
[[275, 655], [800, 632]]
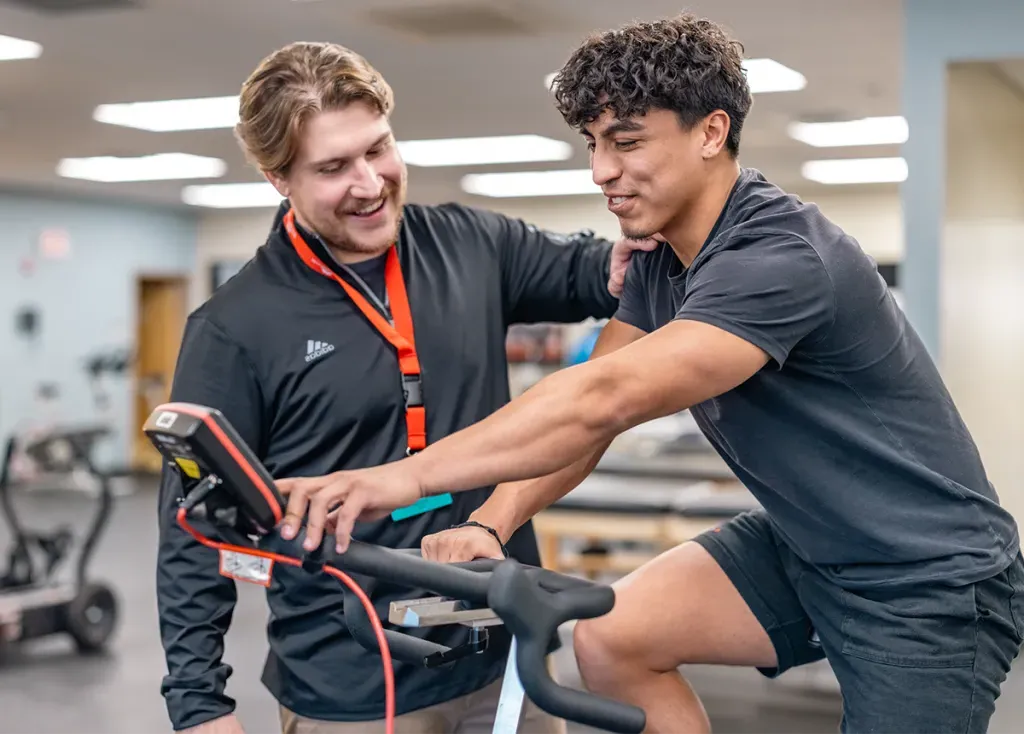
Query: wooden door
[[162, 309]]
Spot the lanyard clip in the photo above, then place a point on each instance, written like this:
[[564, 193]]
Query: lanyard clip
[[412, 388]]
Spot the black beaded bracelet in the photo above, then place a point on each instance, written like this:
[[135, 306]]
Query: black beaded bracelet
[[492, 531]]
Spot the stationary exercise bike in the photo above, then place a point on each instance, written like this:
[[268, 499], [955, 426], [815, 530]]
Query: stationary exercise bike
[[230, 502], [34, 600]]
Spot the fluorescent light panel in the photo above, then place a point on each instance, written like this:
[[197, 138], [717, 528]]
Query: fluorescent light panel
[[482, 151], [531, 183], [763, 76], [767, 75], [222, 112], [865, 131], [856, 170], [12, 49], [232, 196], [158, 167], [206, 113]]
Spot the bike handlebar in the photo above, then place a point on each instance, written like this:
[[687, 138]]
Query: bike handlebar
[[533, 614], [532, 602], [241, 498]]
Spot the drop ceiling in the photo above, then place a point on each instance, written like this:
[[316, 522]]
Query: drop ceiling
[[459, 69]]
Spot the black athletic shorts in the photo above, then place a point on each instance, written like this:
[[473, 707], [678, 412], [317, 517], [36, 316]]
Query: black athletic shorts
[[926, 659]]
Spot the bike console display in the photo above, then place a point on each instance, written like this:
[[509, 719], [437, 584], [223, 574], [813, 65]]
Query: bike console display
[[220, 472], [205, 447]]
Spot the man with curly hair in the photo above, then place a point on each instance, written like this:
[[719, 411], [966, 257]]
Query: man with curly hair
[[881, 544]]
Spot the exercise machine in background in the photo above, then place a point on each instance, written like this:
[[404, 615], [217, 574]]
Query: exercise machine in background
[[45, 585], [37, 596], [33, 471]]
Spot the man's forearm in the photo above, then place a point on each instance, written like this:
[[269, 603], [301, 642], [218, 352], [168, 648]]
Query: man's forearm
[[512, 504], [554, 424]]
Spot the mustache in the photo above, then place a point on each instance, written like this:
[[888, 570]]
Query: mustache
[[389, 191]]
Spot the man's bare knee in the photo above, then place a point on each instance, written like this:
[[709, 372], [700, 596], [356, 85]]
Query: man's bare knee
[[612, 664], [597, 655]]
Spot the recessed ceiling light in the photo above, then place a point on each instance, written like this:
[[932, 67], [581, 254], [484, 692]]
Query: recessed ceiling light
[[158, 167], [856, 170], [865, 131], [763, 76], [482, 151], [205, 113], [12, 49], [232, 196], [531, 183]]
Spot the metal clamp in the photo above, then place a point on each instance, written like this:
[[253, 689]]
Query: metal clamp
[[434, 611]]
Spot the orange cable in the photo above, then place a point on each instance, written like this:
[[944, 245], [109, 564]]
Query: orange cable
[[378, 628]]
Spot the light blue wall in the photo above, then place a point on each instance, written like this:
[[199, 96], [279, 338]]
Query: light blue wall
[[86, 302], [937, 32]]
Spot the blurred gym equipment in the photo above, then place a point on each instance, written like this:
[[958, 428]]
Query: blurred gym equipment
[[35, 600]]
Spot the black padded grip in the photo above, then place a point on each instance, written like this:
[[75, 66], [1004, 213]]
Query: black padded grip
[[533, 615], [548, 580], [404, 647], [407, 568]]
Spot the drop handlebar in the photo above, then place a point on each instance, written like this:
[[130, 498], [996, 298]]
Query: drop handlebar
[[532, 603]]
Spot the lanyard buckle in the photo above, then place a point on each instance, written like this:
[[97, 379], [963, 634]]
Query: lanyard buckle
[[412, 388]]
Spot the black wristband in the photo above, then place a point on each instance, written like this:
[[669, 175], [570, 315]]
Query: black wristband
[[492, 531]]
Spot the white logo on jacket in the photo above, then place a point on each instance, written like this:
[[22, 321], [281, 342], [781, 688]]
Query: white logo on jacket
[[316, 350]]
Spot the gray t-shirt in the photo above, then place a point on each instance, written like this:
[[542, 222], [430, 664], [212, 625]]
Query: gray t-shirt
[[848, 436]]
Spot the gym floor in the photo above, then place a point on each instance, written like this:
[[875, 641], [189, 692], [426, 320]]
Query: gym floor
[[45, 688]]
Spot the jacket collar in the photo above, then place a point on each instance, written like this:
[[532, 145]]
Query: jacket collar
[[282, 244]]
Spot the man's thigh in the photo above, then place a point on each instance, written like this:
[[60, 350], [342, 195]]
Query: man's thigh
[[923, 660], [748, 552]]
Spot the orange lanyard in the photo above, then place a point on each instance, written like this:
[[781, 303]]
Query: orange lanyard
[[400, 336]]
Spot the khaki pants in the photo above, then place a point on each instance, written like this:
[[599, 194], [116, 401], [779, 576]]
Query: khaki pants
[[472, 714]]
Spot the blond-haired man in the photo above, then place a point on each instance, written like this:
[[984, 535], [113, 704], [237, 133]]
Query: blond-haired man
[[364, 328]]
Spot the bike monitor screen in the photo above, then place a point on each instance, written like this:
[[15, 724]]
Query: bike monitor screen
[[200, 442]]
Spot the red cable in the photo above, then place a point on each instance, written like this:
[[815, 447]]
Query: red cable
[[378, 628], [385, 651]]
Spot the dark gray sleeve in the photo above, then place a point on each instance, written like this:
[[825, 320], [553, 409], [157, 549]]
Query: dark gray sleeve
[[194, 601], [633, 304], [773, 293], [549, 277]]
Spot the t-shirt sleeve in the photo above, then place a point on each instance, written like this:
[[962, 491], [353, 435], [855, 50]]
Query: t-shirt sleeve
[[547, 276], [773, 293], [633, 307]]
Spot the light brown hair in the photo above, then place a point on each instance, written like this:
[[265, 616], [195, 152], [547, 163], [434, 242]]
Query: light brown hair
[[293, 83]]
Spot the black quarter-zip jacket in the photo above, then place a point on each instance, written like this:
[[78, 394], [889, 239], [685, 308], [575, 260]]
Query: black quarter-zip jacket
[[313, 388]]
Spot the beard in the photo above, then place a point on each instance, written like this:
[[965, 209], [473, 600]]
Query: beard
[[342, 240], [637, 233], [345, 239]]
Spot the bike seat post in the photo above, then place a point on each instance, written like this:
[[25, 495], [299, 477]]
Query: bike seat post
[[510, 702]]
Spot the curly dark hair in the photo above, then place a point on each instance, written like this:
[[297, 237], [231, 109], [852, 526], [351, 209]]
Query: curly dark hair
[[685, 64]]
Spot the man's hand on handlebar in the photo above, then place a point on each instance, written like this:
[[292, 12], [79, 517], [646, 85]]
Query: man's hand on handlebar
[[335, 502], [459, 545]]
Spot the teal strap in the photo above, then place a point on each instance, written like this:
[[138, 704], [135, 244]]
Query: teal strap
[[426, 504]]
